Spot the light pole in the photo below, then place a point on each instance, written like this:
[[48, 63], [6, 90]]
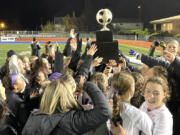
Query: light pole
[[2, 27], [139, 13]]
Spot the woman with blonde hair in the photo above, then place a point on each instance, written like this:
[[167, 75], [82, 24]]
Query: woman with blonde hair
[[60, 113]]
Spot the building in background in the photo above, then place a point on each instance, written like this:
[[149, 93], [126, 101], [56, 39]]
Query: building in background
[[169, 24], [125, 25]]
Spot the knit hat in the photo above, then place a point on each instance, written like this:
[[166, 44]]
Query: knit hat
[[54, 76]]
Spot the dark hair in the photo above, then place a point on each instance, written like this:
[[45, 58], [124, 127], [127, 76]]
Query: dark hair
[[3, 109], [6, 81], [10, 53], [33, 81], [139, 85]]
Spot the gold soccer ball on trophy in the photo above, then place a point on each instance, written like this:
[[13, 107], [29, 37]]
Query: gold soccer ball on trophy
[[104, 17]]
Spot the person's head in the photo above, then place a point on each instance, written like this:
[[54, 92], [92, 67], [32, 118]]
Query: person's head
[[155, 71], [21, 66], [14, 82], [52, 50], [37, 74], [25, 61], [156, 92], [46, 66], [34, 40], [59, 96], [101, 80], [10, 53], [32, 60], [41, 77], [139, 83], [43, 65], [172, 46], [123, 85]]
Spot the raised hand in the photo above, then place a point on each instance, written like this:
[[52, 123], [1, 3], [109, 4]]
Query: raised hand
[[73, 44], [168, 56], [117, 130], [72, 34], [92, 50], [96, 62]]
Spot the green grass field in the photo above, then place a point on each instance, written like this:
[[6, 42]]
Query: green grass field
[[24, 49]]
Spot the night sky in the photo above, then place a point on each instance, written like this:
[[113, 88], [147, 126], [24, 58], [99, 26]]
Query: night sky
[[30, 14]]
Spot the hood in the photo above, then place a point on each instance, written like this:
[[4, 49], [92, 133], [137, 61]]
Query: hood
[[41, 124]]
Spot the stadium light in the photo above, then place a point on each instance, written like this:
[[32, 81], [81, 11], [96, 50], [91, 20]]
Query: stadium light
[[2, 25]]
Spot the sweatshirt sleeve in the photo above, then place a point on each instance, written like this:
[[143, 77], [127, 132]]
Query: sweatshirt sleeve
[[84, 121]]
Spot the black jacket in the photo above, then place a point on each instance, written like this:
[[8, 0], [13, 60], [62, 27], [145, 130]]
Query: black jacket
[[67, 49], [35, 50], [74, 122], [17, 117]]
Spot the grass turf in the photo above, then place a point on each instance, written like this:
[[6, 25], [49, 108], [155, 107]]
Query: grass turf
[[24, 49]]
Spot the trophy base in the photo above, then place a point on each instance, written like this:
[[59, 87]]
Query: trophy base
[[107, 50], [104, 36]]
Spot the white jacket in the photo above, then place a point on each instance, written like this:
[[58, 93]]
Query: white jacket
[[135, 120], [162, 120]]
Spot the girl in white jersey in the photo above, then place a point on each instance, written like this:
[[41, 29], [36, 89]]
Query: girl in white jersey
[[156, 94], [133, 120]]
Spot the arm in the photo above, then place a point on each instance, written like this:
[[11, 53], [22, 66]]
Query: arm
[[76, 56], [84, 121], [67, 50], [58, 64], [151, 61], [84, 68]]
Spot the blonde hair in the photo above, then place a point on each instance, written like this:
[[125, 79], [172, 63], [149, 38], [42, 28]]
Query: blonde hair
[[121, 82], [100, 79], [66, 61], [58, 96], [161, 80]]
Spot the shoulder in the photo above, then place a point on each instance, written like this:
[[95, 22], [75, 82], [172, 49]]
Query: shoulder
[[164, 114], [133, 112]]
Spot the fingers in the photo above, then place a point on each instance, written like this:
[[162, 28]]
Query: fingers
[[92, 50], [168, 56]]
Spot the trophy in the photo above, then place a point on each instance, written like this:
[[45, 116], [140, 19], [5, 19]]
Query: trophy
[[107, 48], [104, 17]]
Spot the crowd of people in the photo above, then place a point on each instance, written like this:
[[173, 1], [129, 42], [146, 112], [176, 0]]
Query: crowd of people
[[70, 93]]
